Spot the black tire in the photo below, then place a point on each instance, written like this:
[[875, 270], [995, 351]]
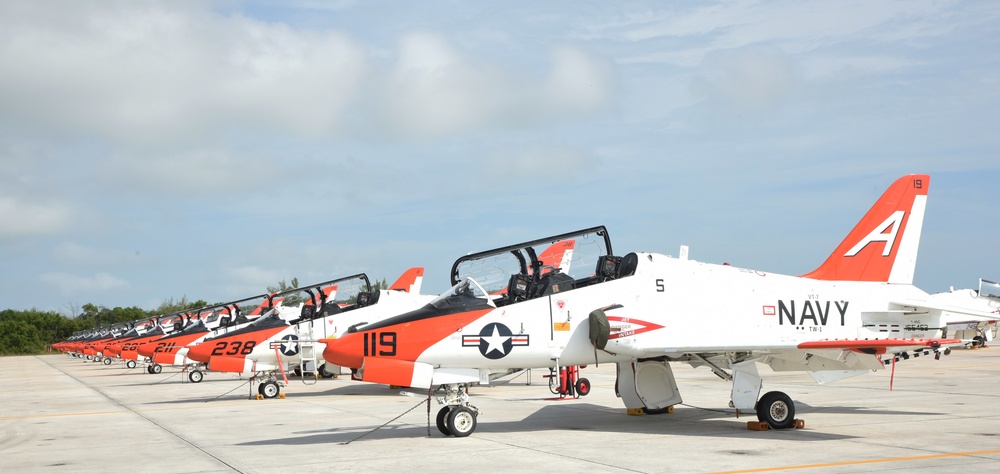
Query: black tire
[[130, 364], [777, 410], [442, 420], [107, 361], [461, 422], [155, 368], [326, 374], [582, 387], [269, 389], [195, 376]]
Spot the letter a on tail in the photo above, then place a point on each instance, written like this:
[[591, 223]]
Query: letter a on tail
[[883, 246]]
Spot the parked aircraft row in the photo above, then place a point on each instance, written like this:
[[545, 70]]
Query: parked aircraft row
[[571, 300]]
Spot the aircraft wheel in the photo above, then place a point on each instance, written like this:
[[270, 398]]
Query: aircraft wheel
[[269, 389], [461, 422], [583, 387], [196, 376], [777, 410], [107, 361], [155, 368], [326, 374], [442, 420], [130, 364]]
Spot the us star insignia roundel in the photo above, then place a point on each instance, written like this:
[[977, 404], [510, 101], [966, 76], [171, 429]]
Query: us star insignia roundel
[[495, 341], [290, 345]]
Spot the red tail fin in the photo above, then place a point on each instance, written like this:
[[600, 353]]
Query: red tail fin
[[883, 246], [558, 255], [409, 281]]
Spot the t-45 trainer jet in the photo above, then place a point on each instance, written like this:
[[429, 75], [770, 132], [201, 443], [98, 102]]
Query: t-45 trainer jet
[[644, 311], [289, 332]]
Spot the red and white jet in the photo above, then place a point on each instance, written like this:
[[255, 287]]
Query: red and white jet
[[201, 323], [289, 335], [644, 311]]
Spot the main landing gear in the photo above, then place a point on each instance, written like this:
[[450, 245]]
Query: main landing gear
[[777, 410], [195, 376], [457, 418], [269, 386]]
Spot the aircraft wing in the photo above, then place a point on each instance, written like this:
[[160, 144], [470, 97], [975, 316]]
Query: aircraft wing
[[825, 360], [950, 314]]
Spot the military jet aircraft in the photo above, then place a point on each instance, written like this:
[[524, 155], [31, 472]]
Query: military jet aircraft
[[288, 335], [644, 311]]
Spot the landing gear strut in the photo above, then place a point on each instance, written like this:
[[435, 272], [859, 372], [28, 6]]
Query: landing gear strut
[[457, 418]]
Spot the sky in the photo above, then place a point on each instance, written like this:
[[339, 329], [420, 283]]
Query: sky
[[210, 149]]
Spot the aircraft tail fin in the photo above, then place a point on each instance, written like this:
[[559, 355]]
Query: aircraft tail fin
[[410, 281], [883, 245], [559, 255]]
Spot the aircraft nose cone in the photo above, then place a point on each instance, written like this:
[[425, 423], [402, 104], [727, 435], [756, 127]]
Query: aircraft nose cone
[[201, 353], [146, 350], [344, 351]]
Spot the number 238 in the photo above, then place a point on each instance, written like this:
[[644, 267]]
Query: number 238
[[235, 347]]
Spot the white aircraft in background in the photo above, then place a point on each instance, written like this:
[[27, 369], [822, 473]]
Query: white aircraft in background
[[645, 311], [974, 332]]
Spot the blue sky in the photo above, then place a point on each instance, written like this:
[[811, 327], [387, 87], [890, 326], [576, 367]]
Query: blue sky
[[155, 150]]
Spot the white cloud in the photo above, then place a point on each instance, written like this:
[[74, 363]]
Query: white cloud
[[70, 284], [553, 165], [578, 82], [192, 172], [26, 219], [435, 88], [747, 79], [158, 73]]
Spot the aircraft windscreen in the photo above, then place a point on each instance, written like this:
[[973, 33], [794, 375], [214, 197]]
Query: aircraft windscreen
[[195, 326], [272, 318], [304, 303], [464, 294], [346, 291], [989, 289], [575, 255]]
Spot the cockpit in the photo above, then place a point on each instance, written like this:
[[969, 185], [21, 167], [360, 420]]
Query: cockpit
[[463, 295], [545, 266]]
